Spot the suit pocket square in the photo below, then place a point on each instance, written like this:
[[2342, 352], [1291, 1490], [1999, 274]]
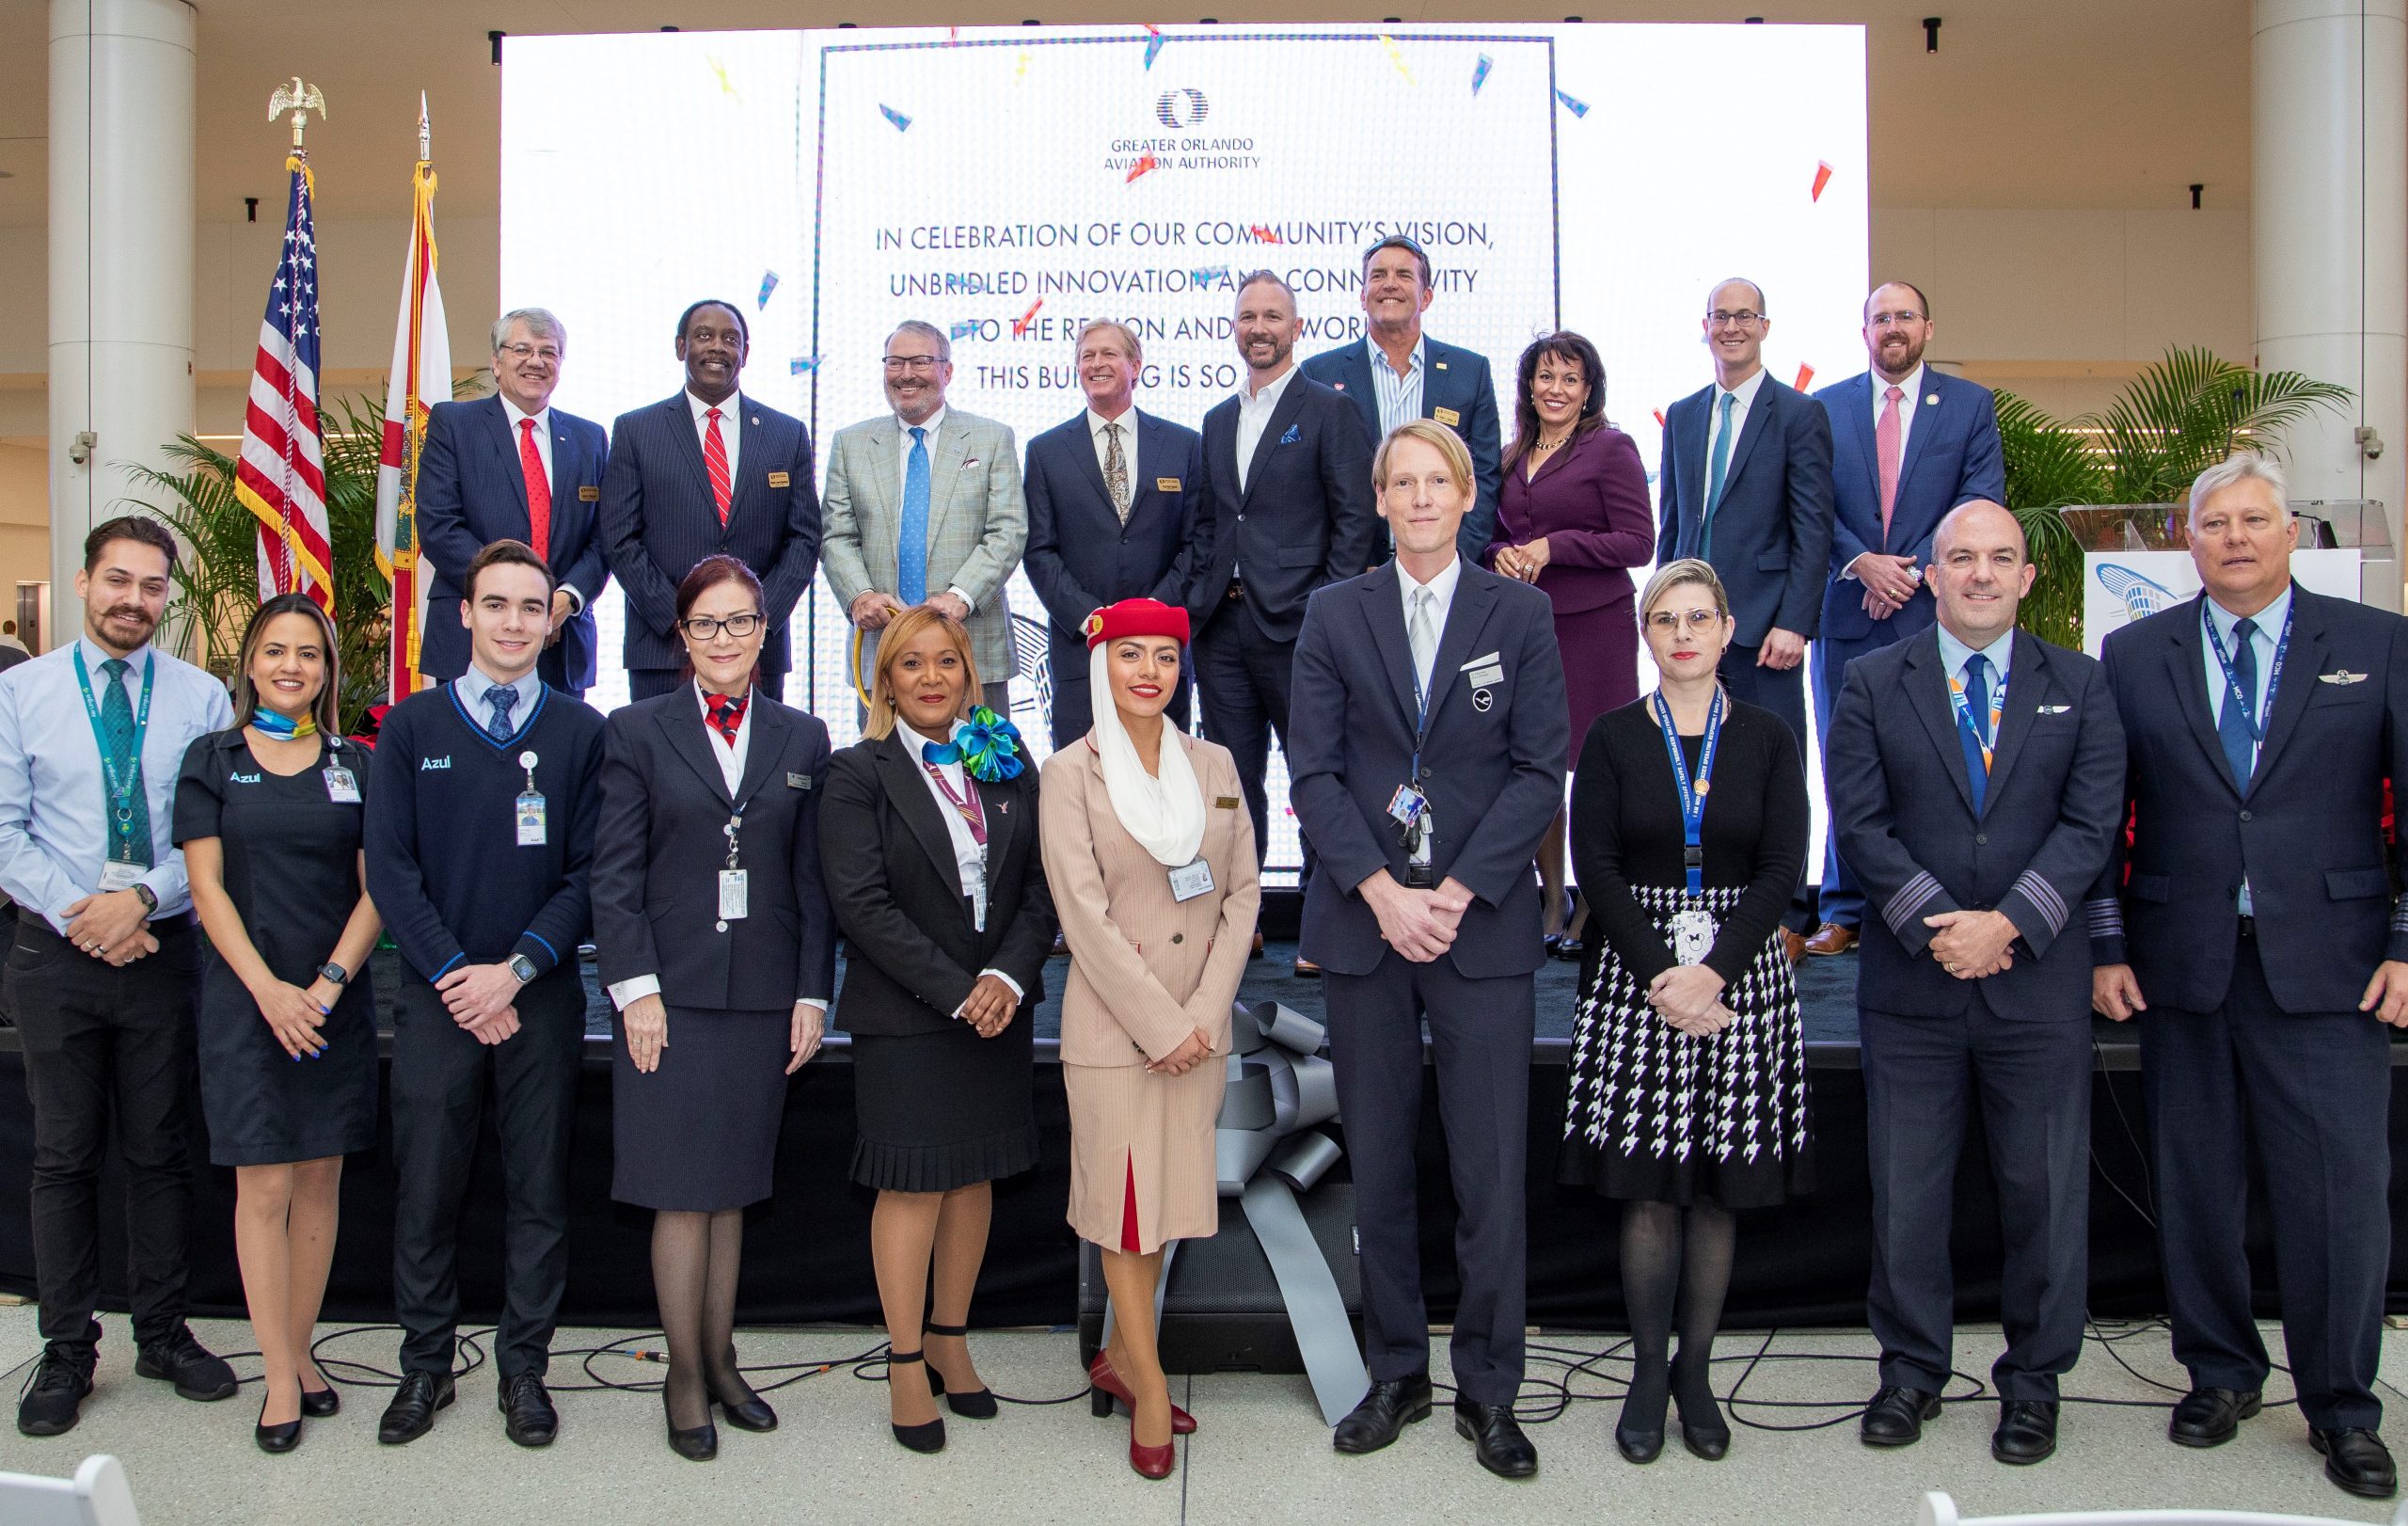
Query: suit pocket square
[[972, 462], [1295, 436], [2053, 709], [2343, 677]]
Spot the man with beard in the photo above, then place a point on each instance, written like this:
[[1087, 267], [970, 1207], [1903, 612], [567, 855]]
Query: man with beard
[[925, 507], [709, 472], [1286, 509], [106, 962], [1907, 445]]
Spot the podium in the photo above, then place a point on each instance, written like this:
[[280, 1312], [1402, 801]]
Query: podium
[[2136, 558]]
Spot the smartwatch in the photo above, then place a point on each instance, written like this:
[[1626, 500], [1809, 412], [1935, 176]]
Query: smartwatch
[[523, 967], [147, 896], [335, 973]]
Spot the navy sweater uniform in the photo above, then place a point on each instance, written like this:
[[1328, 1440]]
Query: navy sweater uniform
[[456, 888]]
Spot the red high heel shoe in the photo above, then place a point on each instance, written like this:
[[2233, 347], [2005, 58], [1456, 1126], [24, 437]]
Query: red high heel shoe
[[1107, 1381], [1152, 1462]]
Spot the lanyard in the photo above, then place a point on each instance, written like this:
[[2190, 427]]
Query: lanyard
[[2233, 695], [1965, 714], [972, 810], [121, 788], [1692, 794]]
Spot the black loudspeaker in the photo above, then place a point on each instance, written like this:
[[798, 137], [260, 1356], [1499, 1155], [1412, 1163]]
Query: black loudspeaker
[[1222, 1310]]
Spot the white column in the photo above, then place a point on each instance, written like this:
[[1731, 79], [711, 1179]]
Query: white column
[[2329, 234], [121, 129]]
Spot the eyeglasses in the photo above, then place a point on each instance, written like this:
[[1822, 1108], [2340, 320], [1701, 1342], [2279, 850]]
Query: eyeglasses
[[1889, 320], [529, 352], [1668, 621], [1744, 317], [914, 363], [703, 628]]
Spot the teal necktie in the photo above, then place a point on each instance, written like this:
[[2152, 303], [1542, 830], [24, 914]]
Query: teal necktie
[[130, 832], [1721, 464]]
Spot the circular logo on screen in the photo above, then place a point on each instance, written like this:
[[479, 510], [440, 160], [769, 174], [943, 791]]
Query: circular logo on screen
[[1181, 108]]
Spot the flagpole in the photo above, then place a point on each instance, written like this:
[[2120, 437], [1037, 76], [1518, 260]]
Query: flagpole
[[420, 377]]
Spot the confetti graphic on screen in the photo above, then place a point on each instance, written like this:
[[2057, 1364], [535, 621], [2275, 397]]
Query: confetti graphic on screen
[[768, 284], [802, 365], [1145, 163], [1572, 104], [1153, 45], [1263, 233], [1659, 417], [1020, 323], [1822, 178], [1396, 56], [902, 123], [1020, 70], [1805, 377], [965, 328], [1479, 72], [726, 86], [1209, 275]]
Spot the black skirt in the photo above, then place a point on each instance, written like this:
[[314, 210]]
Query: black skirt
[[264, 1107], [700, 1133], [946, 1109]]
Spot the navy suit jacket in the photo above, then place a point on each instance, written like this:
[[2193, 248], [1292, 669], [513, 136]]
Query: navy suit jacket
[[1772, 529], [1492, 772], [1952, 457], [1080, 556], [661, 841], [472, 491], [1902, 803], [1303, 519], [1457, 391], [2307, 834], [659, 519]]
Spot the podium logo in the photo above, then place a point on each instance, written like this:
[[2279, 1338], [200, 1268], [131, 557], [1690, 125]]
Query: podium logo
[[1181, 108]]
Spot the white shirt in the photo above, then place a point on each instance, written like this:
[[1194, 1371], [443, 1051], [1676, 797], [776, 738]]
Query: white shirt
[[544, 436], [1743, 398], [731, 431], [1442, 598], [1254, 417], [1096, 424], [1399, 397], [969, 857]]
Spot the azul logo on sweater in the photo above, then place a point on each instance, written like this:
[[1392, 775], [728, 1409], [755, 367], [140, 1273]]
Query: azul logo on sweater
[[243, 778], [428, 764]]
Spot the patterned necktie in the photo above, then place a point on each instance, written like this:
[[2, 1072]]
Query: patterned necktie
[[1714, 472], [2232, 726], [1975, 733], [727, 715], [1424, 637], [503, 699], [1888, 436], [128, 835], [715, 461], [539, 491], [912, 536], [1115, 470]]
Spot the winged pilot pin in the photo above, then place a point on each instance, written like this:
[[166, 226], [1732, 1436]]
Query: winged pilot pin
[[2341, 676]]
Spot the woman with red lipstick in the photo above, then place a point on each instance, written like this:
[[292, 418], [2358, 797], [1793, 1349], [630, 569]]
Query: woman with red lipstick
[[1689, 1069], [928, 847], [1150, 856]]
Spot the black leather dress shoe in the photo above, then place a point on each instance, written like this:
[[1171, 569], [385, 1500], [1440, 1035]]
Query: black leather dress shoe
[[55, 1395], [2210, 1416], [2356, 1460], [1385, 1412], [528, 1417], [196, 1372], [276, 1439], [1495, 1439], [325, 1403], [411, 1414], [700, 1444], [1895, 1416], [2027, 1431]]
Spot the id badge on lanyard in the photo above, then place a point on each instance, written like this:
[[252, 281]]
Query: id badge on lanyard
[[119, 873], [529, 807], [1693, 927], [735, 885], [1189, 880]]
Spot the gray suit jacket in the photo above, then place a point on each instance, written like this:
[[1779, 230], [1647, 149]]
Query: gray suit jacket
[[977, 521]]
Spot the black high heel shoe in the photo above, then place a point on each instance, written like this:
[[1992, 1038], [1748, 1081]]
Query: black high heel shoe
[[322, 1404], [751, 1412], [1707, 1437], [979, 1405], [700, 1444], [928, 1438], [1638, 1433], [276, 1439]]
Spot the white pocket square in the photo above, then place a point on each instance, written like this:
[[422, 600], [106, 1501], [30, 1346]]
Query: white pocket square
[[1479, 662], [2344, 676], [2053, 709]]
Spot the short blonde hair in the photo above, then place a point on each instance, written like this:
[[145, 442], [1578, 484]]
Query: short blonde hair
[[1439, 438], [1671, 575], [900, 633], [1128, 336]]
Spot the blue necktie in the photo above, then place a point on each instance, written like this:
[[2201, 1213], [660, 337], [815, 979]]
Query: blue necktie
[[2232, 726], [912, 544], [503, 701], [130, 835], [1714, 471], [1975, 732]]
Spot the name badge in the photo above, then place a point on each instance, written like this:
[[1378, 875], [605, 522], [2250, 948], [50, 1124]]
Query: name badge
[[1189, 880], [778, 478], [1165, 484], [589, 495], [1483, 677], [1407, 804], [1227, 802], [1692, 935], [734, 897], [528, 811], [341, 788], [1447, 416], [798, 781], [116, 874]]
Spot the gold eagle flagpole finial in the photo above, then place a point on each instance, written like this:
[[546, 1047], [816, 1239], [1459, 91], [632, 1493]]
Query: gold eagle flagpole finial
[[298, 99]]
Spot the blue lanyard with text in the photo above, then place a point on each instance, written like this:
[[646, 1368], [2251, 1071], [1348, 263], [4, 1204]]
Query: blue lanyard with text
[[2249, 716], [121, 789], [1692, 794]]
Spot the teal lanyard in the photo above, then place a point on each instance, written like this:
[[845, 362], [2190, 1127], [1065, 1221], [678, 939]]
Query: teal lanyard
[[123, 787]]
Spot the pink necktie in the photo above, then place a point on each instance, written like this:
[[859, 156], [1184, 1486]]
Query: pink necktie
[[715, 461], [1885, 445], [539, 491]]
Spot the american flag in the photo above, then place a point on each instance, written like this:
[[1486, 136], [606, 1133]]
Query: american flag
[[281, 473]]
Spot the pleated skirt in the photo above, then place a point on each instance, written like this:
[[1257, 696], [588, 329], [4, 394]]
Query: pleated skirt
[[943, 1110], [1141, 1153]]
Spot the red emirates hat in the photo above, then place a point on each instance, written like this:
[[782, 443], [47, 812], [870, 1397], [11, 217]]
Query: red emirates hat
[[1135, 617]]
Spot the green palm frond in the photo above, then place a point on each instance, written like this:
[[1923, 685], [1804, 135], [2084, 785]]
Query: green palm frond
[[2047, 466], [2186, 412]]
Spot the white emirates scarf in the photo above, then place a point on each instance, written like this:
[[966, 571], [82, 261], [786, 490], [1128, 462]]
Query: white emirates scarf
[[1164, 814]]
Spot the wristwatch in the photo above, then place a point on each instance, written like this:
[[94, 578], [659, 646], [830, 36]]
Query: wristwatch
[[523, 967], [147, 896], [333, 973]]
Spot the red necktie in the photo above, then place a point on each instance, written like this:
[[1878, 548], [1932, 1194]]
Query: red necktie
[[539, 491], [715, 459], [1885, 445], [727, 714]]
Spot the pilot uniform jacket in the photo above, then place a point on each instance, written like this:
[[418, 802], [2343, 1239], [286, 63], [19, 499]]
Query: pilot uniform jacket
[[887, 857], [1902, 805], [661, 843]]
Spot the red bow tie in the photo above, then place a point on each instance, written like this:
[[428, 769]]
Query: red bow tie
[[727, 714]]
